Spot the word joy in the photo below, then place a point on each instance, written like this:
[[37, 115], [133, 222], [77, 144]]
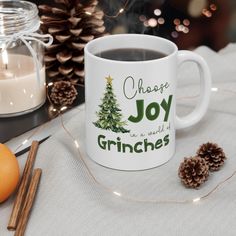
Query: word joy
[[152, 111]]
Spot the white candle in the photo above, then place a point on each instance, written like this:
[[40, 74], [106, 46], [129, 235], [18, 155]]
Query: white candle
[[20, 90]]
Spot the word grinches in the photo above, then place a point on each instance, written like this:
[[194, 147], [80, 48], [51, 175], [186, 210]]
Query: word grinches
[[138, 147]]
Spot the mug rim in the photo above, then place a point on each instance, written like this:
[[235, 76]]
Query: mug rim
[[124, 36]]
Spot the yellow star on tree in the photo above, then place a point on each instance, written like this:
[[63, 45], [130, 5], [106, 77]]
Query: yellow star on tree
[[109, 79]]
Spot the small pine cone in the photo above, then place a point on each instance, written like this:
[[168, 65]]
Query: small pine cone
[[213, 155], [193, 171], [63, 93]]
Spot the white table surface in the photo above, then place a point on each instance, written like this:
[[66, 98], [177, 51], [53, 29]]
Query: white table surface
[[69, 203]]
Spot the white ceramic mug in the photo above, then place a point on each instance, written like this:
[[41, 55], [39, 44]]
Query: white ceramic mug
[[131, 105]]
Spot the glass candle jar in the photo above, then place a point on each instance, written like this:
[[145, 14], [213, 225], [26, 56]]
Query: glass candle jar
[[22, 71]]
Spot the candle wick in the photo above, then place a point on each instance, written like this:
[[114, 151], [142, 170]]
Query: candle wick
[[6, 66]]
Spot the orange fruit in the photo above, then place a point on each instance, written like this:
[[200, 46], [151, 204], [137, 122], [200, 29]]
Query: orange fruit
[[9, 172]]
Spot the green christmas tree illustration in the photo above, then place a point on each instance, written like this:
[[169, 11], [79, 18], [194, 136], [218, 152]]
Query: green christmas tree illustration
[[109, 115]]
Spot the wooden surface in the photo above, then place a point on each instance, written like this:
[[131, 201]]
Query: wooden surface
[[15, 126]]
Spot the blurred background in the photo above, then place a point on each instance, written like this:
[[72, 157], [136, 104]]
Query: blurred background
[[189, 23]]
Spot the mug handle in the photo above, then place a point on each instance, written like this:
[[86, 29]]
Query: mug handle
[[205, 90]]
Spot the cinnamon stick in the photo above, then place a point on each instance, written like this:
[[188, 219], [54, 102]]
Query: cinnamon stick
[[29, 200], [20, 197]]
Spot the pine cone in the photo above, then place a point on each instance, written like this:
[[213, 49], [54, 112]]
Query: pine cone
[[213, 155], [72, 23], [63, 93], [193, 171]]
